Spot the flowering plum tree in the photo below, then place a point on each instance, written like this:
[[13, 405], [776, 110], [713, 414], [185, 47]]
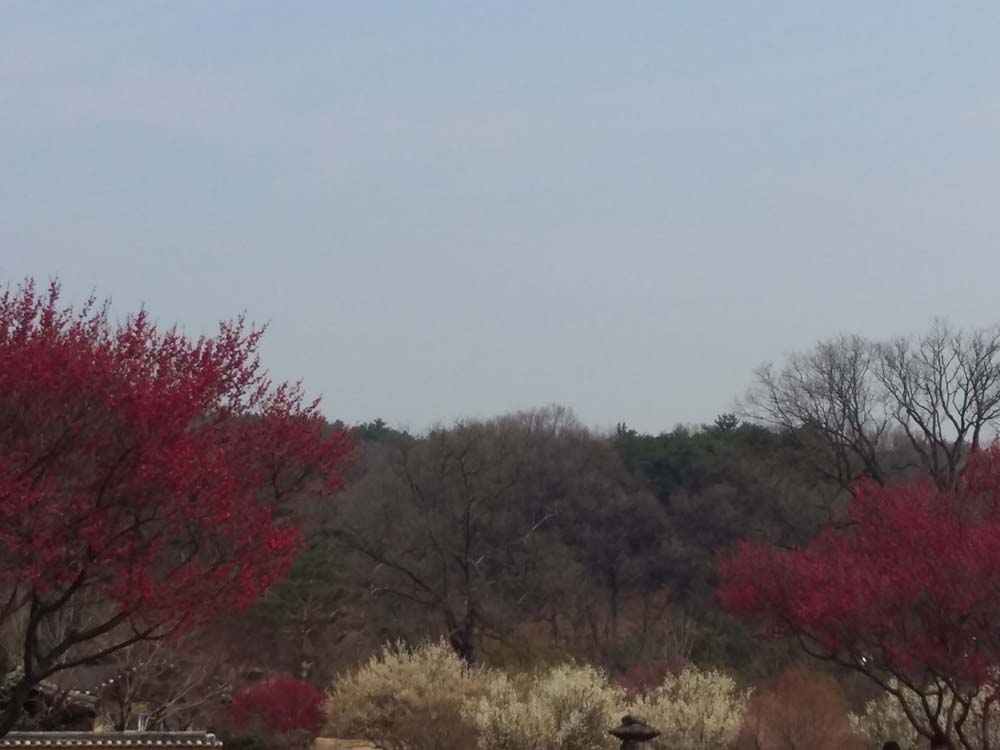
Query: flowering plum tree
[[141, 479], [408, 698], [693, 709], [908, 593]]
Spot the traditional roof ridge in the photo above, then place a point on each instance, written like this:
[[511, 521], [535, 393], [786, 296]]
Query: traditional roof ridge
[[77, 733], [126, 739]]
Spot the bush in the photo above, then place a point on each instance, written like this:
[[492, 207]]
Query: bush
[[693, 710], [884, 718], [798, 709], [408, 699], [428, 699], [639, 679], [284, 711], [565, 708]]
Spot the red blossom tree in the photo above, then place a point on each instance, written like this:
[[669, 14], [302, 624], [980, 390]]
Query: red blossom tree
[[908, 593], [278, 707], [141, 479]]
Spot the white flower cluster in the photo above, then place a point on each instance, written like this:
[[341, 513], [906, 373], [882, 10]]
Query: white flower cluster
[[565, 708], [407, 699], [885, 718], [426, 699], [694, 710]]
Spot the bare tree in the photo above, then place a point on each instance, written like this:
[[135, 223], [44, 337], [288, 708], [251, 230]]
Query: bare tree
[[166, 686], [943, 390], [442, 524], [488, 528], [615, 587], [831, 400], [865, 409]]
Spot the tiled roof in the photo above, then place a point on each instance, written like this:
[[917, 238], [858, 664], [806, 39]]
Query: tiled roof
[[109, 740]]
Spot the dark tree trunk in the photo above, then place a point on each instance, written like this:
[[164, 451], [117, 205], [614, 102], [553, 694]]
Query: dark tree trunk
[[19, 695]]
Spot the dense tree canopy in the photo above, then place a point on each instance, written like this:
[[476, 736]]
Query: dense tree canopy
[[489, 526]]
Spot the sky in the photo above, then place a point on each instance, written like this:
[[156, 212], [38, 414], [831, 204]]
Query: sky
[[458, 209]]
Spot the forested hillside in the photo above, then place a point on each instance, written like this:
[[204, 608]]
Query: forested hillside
[[530, 537], [233, 542]]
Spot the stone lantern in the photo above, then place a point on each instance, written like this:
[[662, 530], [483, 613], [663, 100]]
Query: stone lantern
[[633, 733]]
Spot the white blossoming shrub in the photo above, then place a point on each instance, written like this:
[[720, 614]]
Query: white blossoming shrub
[[427, 699], [408, 699], [694, 710], [885, 719], [564, 708]]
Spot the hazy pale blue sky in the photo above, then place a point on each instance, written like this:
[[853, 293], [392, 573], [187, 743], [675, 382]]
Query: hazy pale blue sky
[[454, 209]]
